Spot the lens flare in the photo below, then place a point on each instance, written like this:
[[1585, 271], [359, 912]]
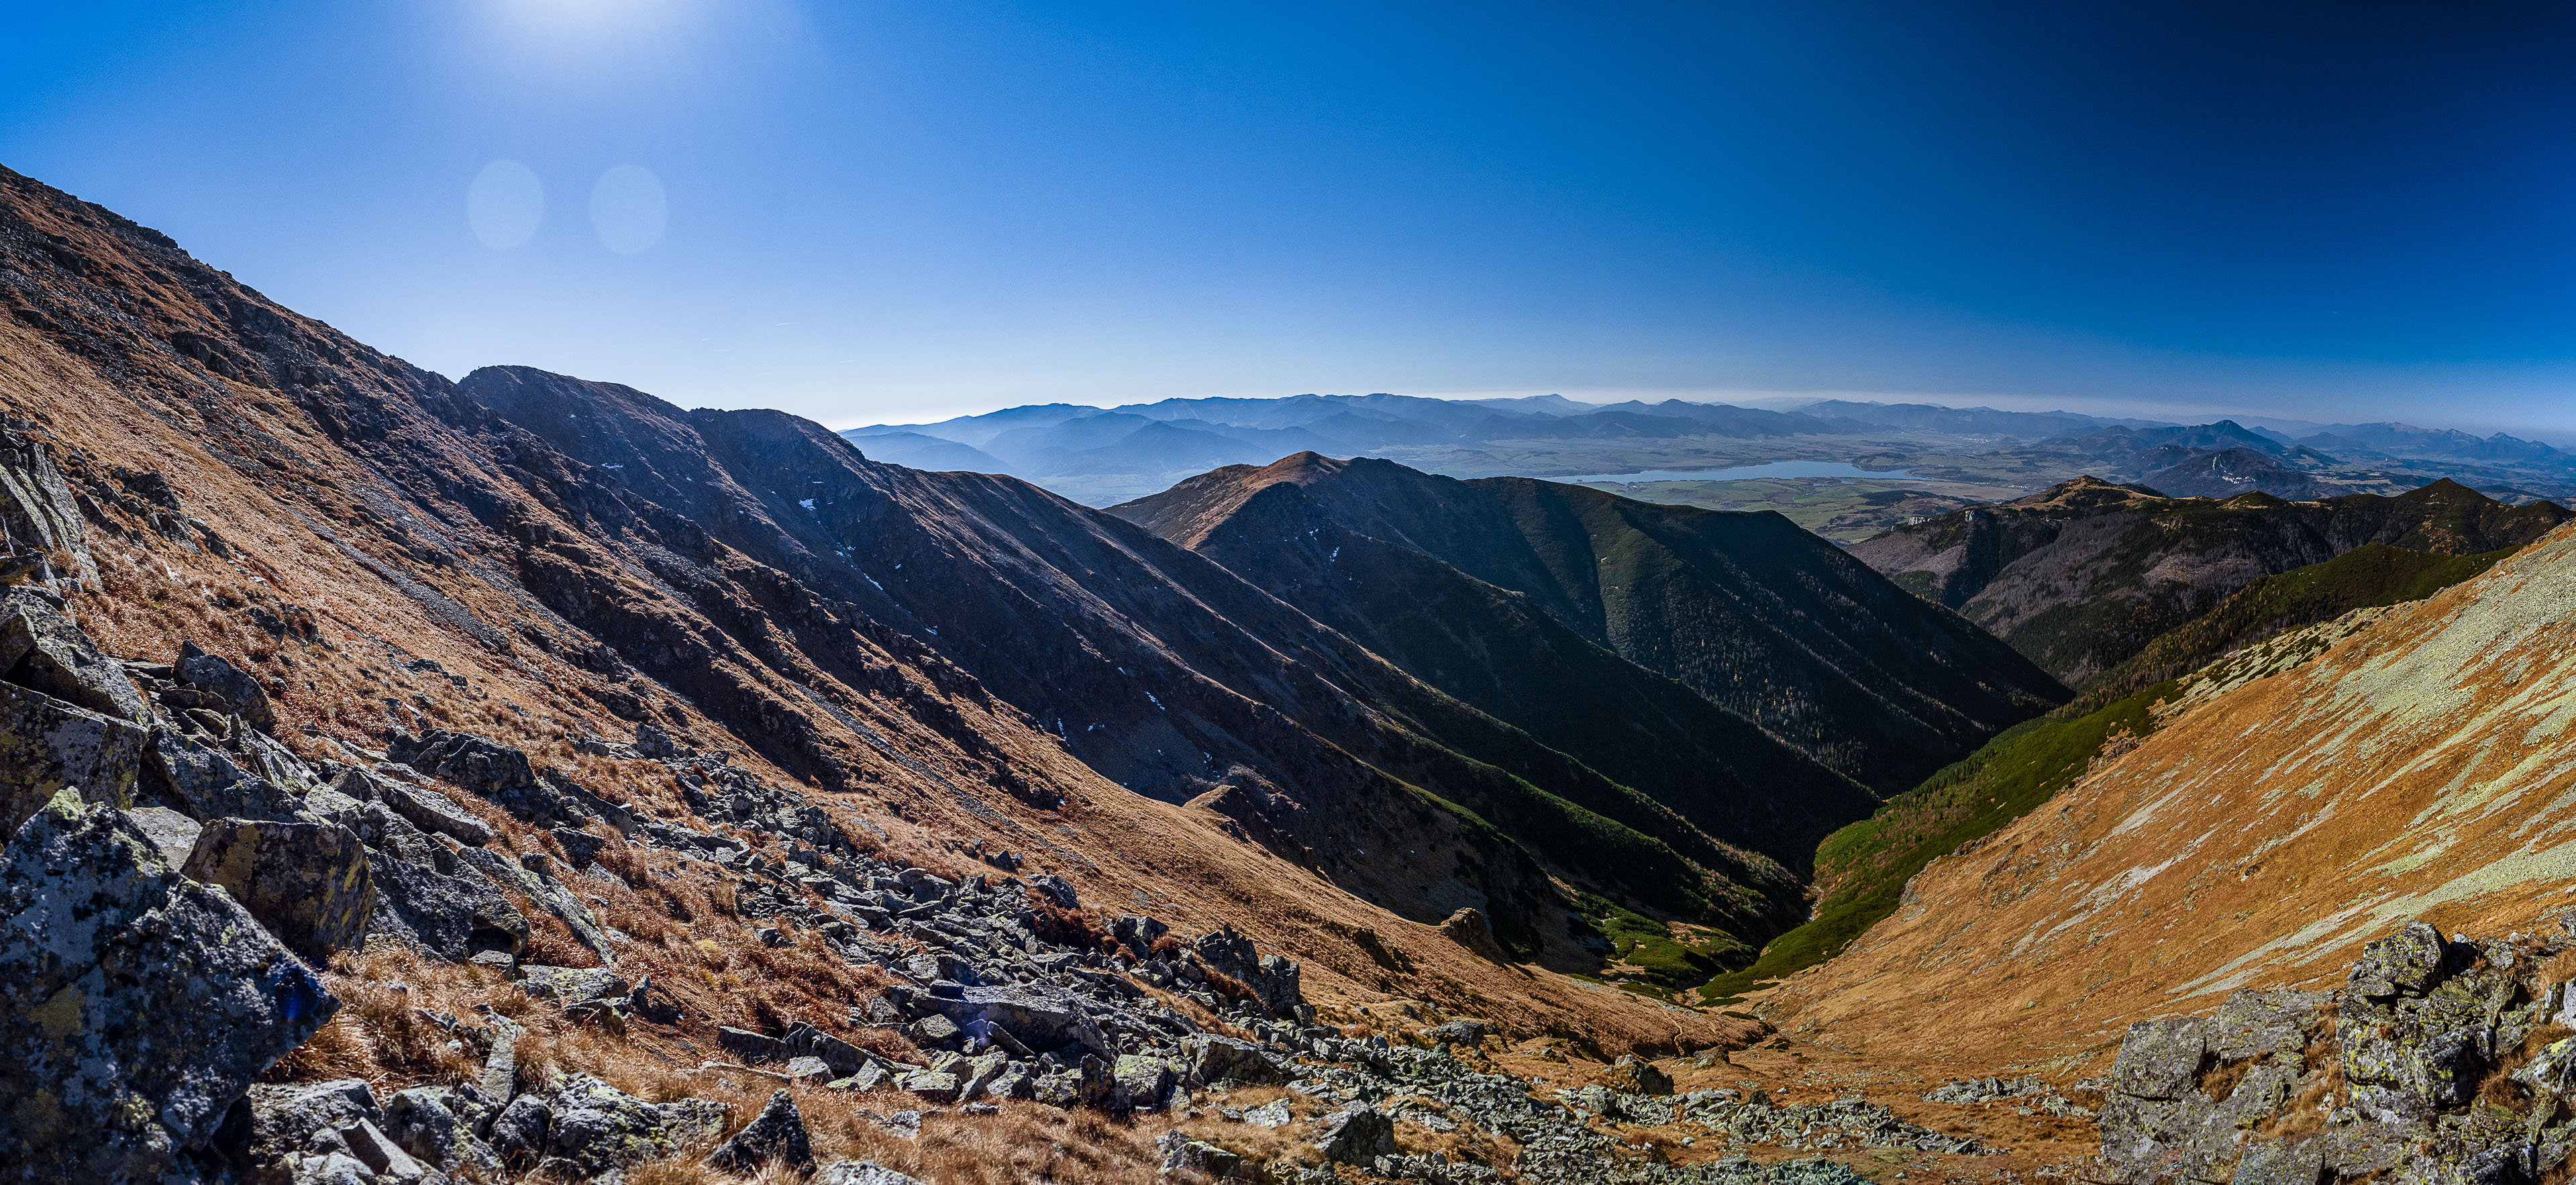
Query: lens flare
[[505, 204], [628, 209]]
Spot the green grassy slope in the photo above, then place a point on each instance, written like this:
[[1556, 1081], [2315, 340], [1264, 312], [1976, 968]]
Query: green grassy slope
[[2369, 575]]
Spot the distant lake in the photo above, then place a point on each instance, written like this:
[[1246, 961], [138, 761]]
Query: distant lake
[[1751, 472]]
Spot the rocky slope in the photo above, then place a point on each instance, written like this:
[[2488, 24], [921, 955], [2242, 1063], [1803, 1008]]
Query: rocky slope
[[2082, 575], [1489, 588], [2432, 1060]]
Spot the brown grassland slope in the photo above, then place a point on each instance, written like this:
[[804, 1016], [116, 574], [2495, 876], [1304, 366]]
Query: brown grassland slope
[[2417, 768]]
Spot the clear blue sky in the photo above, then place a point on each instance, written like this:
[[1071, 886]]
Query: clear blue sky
[[907, 210]]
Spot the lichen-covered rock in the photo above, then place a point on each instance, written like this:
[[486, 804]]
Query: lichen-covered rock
[[2402, 962], [777, 1134], [2161, 1058], [1142, 1080], [429, 1122], [234, 691], [2385, 1081], [309, 883], [135, 1005], [282, 1131], [571, 985], [596, 1128], [49, 744], [41, 648], [862, 1172]]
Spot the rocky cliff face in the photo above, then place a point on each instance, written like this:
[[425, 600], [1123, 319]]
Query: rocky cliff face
[[2081, 575], [1536, 580]]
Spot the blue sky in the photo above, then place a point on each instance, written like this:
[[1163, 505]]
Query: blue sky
[[892, 211]]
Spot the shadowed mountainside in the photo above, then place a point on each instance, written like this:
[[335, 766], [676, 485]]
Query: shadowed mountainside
[[1757, 616], [2082, 575]]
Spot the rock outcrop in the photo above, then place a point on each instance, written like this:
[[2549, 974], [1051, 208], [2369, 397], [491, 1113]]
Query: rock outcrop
[[2436, 1061]]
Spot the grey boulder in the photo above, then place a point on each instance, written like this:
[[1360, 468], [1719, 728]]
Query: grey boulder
[[1357, 1136], [777, 1135], [49, 744], [135, 1005], [234, 691], [309, 883], [43, 649]]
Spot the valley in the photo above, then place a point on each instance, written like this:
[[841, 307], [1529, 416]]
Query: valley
[[523, 777]]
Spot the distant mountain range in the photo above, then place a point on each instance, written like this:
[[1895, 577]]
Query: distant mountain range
[[1105, 455]]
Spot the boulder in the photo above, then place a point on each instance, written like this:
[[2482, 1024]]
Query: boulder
[[2407, 961], [480, 764], [428, 1121], [934, 1029], [41, 648], [309, 883], [776, 1135], [580, 847], [1142, 1080], [173, 834], [424, 808], [1183, 1154], [750, 1046], [519, 1132], [1356, 1136], [428, 897], [1633, 1075], [568, 986], [1040, 1019], [135, 1005], [1212, 1060], [1274, 979], [844, 1059], [281, 1125], [207, 783], [862, 1172], [931, 1084], [234, 691], [49, 744], [1470, 1033], [596, 1128], [533, 874]]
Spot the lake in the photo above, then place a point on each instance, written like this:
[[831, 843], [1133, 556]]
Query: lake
[[1751, 473]]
